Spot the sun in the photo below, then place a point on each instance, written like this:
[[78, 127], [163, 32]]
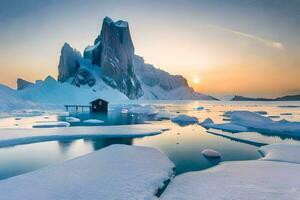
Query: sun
[[196, 80]]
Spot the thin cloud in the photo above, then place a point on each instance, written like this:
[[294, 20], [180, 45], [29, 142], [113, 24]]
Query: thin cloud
[[273, 44]]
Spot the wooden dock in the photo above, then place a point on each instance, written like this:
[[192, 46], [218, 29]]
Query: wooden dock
[[77, 107]]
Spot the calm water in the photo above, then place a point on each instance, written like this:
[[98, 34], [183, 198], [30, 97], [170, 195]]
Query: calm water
[[183, 145]]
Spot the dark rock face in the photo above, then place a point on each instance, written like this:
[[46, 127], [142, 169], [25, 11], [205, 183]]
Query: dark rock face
[[22, 84], [113, 51], [68, 63]]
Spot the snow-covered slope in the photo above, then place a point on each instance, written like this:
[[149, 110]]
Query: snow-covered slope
[[9, 100], [52, 92], [159, 84]]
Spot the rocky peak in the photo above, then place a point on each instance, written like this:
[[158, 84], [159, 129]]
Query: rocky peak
[[22, 84], [113, 51], [68, 63]]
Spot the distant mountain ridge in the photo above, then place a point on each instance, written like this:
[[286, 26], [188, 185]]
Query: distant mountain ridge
[[111, 59], [284, 98]]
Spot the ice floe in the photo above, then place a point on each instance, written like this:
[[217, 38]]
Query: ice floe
[[15, 136], [184, 120], [281, 152], [93, 121], [51, 124], [261, 112], [265, 124], [115, 172], [230, 127], [199, 108], [72, 119], [259, 180], [210, 153]]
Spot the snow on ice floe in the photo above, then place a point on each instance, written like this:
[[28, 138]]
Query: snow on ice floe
[[72, 119], [259, 180], [260, 123], [210, 153], [183, 120], [51, 124], [115, 172], [15, 136], [229, 127], [281, 152], [93, 121]]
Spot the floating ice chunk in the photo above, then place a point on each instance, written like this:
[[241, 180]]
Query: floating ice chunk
[[51, 124], [184, 120], [265, 124], [229, 127], [289, 106], [72, 119], [145, 110], [164, 116], [124, 111], [286, 113], [238, 180], [261, 112], [274, 116], [18, 118], [199, 108], [210, 153], [115, 172], [93, 121], [281, 152]]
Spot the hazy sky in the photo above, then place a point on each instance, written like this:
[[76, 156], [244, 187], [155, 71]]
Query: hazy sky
[[248, 47]]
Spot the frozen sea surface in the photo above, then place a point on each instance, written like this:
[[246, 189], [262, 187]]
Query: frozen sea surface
[[182, 144]]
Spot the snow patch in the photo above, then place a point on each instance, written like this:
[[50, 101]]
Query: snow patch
[[72, 119], [93, 121], [115, 172], [281, 152], [51, 124]]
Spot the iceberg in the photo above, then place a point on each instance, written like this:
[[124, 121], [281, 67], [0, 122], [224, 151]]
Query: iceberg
[[115, 172], [260, 123], [229, 127], [184, 120]]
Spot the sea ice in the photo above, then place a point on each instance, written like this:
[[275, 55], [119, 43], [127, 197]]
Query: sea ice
[[184, 120], [115, 172], [259, 180], [93, 121], [281, 152], [51, 124], [264, 124], [229, 127], [15, 136], [210, 153], [72, 119]]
